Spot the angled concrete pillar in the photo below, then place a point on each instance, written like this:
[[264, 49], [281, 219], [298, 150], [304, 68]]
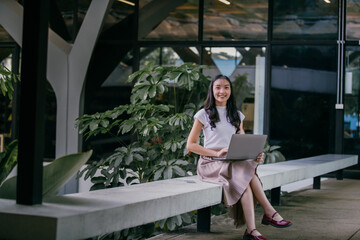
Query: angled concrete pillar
[[66, 67]]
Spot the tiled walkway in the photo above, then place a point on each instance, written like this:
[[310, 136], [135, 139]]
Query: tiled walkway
[[331, 213]]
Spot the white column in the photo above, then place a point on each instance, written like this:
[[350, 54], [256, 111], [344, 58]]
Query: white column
[[259, 95], [66, 68]]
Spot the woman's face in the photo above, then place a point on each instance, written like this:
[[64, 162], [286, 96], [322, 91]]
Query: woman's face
[[222, 91]]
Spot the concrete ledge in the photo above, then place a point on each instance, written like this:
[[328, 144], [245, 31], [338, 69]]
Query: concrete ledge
[[278, 174], [83, 215]]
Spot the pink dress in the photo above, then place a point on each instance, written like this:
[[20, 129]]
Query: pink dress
[[234, 176]]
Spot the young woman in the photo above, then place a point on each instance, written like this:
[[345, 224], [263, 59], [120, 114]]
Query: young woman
[[242, 188]]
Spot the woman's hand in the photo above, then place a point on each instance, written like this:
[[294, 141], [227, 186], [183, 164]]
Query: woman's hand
[[222, 152], [260, 158]]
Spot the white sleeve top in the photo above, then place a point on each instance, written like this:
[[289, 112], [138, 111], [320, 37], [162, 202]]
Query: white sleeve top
[[219, 137]]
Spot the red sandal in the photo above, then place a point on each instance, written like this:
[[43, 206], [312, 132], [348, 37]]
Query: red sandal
[[249, 236], [279, 224]]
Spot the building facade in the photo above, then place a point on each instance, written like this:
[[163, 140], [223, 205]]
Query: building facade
[[295, 64]]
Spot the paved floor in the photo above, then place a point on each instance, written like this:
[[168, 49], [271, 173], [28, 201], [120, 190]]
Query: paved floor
[[331, 213]]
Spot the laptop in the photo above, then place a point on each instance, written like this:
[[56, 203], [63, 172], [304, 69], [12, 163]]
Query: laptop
[[244, 147]]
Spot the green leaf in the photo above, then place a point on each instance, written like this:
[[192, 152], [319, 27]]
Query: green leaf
[[170, 223], [173, 147], [146, 131], [118, 161], [164, 108], [195, 75], [186, 217], [55, 175], [122, 150], [278, 156], [97, 186], [267, 148], [158, 173], [143, 93], [272, 148], [138, 157], [162, 223], [152, 91], [181, 162], [138, 149], [115, 181], [129, 180], [89, 173], [93, 125], [105, 173], [126, 126], [174, 75], [132, 76], [3, 88], [8, 160], [168, 172], [109, 178], [161, 88], [128, 159], [98, 180], [171, 162], [123, 173], [178, 220], [104, 123], [133, 98], [272, 158], [179, 171]]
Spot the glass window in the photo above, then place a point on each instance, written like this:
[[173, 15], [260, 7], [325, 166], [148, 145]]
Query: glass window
[[235, 20], [118, 24], [4, 36], [304, 19], [72, 21], [119, 11], [352, 100], [117, 21], [353, 20], [168, 56], [118, 77], [169, 20], [245, 66], [303, 94]]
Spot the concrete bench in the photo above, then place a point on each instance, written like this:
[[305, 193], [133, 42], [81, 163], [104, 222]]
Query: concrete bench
[[273, 176], [83, 215]]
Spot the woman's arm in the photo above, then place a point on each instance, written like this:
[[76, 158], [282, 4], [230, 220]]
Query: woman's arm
[[241, 131], [194, 147]]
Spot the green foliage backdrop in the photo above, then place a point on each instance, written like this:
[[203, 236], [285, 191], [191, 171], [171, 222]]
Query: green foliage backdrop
[[163, 102]]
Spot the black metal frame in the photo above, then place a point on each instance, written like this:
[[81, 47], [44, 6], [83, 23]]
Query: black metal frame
[[32, 102]]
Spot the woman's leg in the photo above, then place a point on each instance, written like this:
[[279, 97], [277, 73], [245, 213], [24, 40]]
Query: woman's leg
[[247, 203], [262, 199]]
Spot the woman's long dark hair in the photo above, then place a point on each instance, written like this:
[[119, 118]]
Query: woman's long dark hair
[[232, 114]]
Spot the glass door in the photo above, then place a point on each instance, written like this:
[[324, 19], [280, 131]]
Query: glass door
[[352, 101]]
